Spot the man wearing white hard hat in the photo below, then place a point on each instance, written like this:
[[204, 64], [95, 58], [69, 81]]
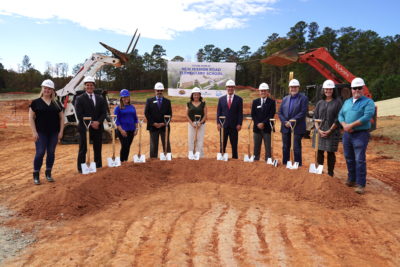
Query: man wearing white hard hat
[[355, 117], [155, 110], [91, 105], [293, 107], [230, 106], [46, 119], [196, 107], [262, 109]]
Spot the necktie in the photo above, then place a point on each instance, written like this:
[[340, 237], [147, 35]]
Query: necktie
[[262, 101], [159, 103], [91, 98], [229, 101]]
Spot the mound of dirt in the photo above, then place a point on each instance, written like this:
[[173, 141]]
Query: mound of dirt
[[79, 195]]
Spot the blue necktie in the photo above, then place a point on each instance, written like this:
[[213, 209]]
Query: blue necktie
[[159, 103]]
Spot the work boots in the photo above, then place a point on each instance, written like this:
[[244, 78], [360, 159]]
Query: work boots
[[36, 179], [48, 176]]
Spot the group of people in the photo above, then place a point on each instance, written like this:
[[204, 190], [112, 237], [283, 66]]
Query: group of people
[[354, 116]]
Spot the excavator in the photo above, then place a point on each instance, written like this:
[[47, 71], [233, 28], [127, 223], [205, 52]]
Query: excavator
[[314, 57], [74, 88]]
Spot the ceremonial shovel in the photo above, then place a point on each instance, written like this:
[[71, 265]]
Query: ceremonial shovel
[[195, 155], [88, 167], [222, 155], [313, 166], [113, 161], [271, 160], [164, 155], [291, 164], [247, 157], [140, 158]]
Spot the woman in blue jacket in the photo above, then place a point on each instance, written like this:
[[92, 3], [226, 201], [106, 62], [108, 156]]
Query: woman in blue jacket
[[126, 122]]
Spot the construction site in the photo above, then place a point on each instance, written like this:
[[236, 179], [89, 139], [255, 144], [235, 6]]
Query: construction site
[[196, 213], [204, 212]]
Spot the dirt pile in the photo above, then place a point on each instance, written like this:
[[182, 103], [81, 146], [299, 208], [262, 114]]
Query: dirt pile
[[80, 195]]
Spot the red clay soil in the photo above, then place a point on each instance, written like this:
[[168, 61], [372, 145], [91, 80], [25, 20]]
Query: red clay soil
[[92, 193], [199, 213]]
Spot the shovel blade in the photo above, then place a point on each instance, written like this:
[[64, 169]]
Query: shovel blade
[[139, 159], [86, 169], [273, 162], [248, 158], [164, 156], [315, 169], [292, 165], [114, 163], [223, 157]]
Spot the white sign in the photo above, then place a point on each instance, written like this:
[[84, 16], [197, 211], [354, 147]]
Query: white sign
[[210, 77]]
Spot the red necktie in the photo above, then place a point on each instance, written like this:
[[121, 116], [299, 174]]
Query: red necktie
[[229, 101]]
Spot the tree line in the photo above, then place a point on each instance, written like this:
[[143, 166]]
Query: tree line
[[362, 52]]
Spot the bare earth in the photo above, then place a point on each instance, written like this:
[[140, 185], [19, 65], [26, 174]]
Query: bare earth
[[198, 213]]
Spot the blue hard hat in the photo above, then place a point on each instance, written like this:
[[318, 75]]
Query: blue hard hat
[[124, 93]]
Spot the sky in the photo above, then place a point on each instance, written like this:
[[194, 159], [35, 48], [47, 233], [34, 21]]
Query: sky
[[70, 31]]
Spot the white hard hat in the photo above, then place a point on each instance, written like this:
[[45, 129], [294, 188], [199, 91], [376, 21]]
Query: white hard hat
[[294, 82], [196, 90], [89, 79], [159, 86], [328, 84], [230, 83], [263, 86], [48, 83], [357, 82]]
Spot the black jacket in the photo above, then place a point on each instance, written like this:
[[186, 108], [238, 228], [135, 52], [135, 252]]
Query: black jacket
[[84, 108], [154, 114], [263, 114]]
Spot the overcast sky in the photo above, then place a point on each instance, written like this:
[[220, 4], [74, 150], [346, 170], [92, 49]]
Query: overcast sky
[[70, 31]]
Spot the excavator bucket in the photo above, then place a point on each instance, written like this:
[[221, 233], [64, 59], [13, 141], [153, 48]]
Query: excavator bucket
[[282, 58], [118, 54]]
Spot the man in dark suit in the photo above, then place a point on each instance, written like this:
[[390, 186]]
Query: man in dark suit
[[293, 107], [230, 106], [262, 110], [156, 108], [91, 105]]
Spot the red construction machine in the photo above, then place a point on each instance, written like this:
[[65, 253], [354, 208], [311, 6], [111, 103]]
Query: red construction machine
[[313, 57]]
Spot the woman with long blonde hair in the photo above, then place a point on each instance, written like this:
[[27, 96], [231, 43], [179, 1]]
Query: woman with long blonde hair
[[46, 119]]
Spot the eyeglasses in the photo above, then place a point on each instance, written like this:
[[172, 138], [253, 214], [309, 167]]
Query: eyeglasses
[[357, 88]]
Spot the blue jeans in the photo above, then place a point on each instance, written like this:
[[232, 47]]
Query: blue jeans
[[46, 143], [286, 143], [355, 147]]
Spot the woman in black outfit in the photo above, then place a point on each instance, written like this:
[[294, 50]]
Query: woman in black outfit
[[47, 123], [327, 110]]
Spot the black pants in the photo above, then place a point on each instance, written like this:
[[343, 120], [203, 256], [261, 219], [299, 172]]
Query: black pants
[[233, 138], [154, 136], [125, 144], [96, 137], [331, 160], [258, 137]]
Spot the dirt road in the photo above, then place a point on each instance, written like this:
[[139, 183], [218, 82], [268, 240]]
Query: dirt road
[[199, 213]]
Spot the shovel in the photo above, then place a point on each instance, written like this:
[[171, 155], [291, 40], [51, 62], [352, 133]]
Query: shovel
[[140, 158], [113, 161], [88, 167], [195, 155], [291, 164], [164, 155], [222, 155], [271, 160], [313, 166], [247, 157]]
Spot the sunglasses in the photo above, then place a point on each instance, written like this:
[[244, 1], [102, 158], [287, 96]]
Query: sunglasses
[[357, 88]]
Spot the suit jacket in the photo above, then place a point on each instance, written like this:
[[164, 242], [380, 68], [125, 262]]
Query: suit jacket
[[262, 114], [299, 112], [154, 114], [84, 108], [234, 115]]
